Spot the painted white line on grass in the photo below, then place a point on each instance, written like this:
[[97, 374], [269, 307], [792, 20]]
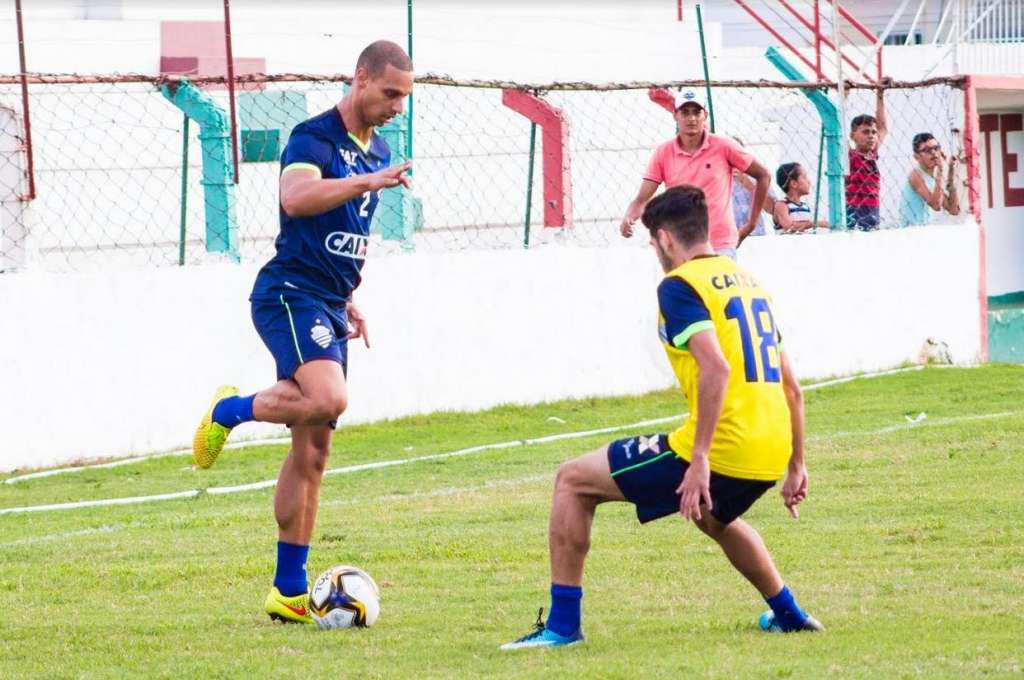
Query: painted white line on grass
[[140, 459], [286, 439], [934, 422], [105, 529], [191, 493], [270, 483]]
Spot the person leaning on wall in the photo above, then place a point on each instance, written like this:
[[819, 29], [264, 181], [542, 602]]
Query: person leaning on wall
[[931, 184]]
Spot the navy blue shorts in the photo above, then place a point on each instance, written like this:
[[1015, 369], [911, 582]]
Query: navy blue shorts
[[648, 473], [862, 218], [299, 328]]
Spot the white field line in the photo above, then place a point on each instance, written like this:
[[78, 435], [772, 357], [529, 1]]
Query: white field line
[[222, 490], [286, 439], [140, 459], [105, 529], [269, 483], [394, 497]]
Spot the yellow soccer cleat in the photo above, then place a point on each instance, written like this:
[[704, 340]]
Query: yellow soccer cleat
[[210, 436], [293, 609]]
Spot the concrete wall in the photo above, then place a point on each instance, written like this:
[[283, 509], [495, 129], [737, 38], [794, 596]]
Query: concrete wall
[[124, 361], [1002, 188]]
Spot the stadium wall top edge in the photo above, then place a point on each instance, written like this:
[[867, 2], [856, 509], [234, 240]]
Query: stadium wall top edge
[[434, 79]]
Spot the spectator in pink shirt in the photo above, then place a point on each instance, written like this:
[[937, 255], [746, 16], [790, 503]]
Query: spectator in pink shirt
[[699, 158]]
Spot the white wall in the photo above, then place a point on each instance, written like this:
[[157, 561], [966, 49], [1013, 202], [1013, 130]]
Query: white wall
[[122, 362], [1004, 223]]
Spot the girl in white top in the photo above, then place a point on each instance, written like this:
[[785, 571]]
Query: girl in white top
[[792, 216]]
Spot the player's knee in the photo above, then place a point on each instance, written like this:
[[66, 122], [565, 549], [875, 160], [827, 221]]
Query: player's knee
[[328, 406], [570, 477]]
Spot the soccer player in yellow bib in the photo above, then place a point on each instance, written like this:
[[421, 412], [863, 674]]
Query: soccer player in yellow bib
[[745, 430]]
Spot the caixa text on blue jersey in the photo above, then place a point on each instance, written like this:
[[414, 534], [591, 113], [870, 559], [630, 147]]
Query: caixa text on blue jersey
[[347, 245]]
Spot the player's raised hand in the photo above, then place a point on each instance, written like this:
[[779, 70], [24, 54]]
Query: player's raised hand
[[794, 489], [357, 327], [391, 177], [696, 487]]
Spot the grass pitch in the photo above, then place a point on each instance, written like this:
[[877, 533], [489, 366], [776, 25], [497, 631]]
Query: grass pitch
[[910, 549]]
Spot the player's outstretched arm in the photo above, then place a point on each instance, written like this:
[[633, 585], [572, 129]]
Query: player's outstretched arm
[[711, 387], [794, 489], [304, 193], [636, 207]]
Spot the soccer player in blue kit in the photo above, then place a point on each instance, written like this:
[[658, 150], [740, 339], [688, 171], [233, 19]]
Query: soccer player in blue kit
[[333, 170]]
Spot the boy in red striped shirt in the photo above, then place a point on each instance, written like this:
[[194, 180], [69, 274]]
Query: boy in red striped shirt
[[864, 181]]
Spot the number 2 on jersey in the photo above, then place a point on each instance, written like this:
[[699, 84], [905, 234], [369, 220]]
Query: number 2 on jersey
[[760, 311]]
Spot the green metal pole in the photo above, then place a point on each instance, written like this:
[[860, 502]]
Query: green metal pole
[[529, 186], [184, 193], [817, 182], [408, 137], [704, 59]]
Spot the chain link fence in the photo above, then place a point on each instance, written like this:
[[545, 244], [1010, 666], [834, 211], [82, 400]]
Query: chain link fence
[[122, 177]]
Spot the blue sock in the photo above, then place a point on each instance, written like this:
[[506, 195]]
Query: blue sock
[[564, 617], [232, 411], [290, 578], [788, 614]]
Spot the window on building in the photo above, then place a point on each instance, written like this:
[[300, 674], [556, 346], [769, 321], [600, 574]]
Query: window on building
[[901, 39]]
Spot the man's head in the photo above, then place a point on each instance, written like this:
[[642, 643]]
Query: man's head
[[793, 176], [864, 133], [678, 222], [927, 150], [691, 112], [382, 81]]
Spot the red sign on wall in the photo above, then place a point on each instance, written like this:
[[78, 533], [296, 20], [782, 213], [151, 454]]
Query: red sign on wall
[[1003, 124]]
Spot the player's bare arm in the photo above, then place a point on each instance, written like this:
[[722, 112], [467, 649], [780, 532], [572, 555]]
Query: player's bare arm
[[636, 207], [794, 489], [305, 194], [711, 387], [760, 175]]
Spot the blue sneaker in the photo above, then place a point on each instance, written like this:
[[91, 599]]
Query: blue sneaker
[[542, 636], [767, 623]]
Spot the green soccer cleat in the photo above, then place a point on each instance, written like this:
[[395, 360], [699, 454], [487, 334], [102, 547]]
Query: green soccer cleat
[[210, 436]]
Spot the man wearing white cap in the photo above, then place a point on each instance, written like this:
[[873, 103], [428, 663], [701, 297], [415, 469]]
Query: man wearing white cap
[[701, 159]]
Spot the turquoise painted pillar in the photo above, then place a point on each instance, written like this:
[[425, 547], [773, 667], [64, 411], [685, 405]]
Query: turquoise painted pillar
[[218, 175], [399, 214], [834, 143]]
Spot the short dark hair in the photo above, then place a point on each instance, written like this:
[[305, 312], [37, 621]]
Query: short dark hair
[[922, 137], [862, 119], [786, 173], [376, 57], [680, 210]]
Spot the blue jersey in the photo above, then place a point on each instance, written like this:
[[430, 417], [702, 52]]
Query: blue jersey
[[322, 255]]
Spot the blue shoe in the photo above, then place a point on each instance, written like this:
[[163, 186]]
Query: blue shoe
[[767, 623], [542, 636]]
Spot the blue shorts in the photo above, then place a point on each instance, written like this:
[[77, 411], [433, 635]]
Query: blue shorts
[[862, 218], [648, 473], [299, 328]]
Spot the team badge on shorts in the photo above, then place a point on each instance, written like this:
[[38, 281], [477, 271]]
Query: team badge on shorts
[[321, 334], [643, 445]]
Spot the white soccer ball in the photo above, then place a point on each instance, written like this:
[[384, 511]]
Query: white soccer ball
[[344, 597]]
